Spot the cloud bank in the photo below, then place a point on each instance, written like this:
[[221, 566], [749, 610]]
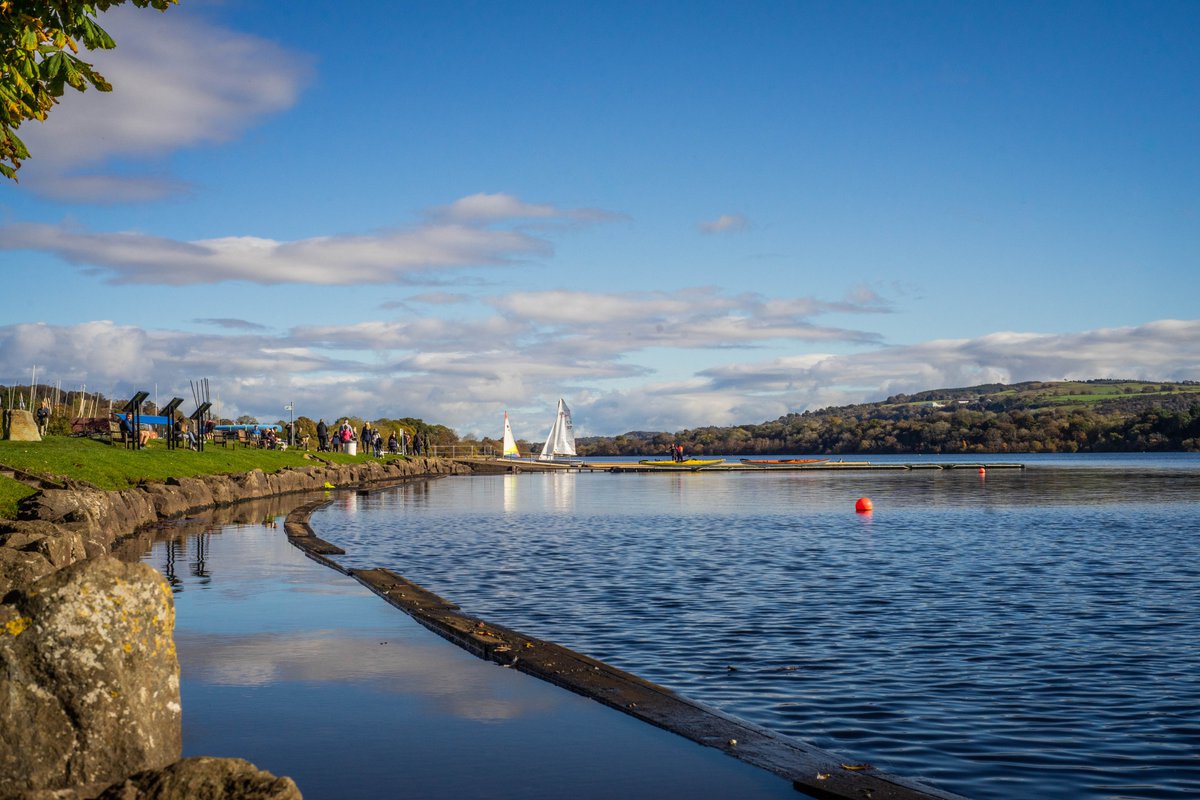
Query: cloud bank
[[436, 370]]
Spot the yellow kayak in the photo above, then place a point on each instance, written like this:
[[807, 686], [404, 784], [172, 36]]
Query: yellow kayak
[[691, 462]]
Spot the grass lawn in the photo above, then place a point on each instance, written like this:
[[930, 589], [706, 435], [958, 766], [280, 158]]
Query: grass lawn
[[113, 467]]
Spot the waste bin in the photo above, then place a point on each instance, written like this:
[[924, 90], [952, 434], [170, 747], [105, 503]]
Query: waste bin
[[352, 448]]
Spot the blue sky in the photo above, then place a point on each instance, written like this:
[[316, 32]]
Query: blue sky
[[670, 214]]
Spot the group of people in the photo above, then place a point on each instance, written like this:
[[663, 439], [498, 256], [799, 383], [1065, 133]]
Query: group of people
[[677, 453], [339, 439], [398, 442]]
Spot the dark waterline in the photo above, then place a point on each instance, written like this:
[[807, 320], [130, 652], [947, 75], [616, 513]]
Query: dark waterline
[[1027, 633]]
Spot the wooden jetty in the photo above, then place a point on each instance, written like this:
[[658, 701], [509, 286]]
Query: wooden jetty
[[485, 464]]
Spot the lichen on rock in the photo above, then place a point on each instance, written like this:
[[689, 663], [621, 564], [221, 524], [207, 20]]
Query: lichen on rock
[[89, 673]]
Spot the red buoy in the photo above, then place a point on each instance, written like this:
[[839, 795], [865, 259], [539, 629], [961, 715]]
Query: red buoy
[[864, 505], [982, 471]]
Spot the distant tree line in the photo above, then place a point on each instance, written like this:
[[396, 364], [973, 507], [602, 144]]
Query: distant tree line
[[901, 425]]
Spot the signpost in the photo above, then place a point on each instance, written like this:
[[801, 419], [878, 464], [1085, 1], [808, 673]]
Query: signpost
[[290, 408], [200, 419], [169, 412], [133, 413]]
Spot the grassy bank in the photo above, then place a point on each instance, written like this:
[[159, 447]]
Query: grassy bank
[[113, 467]]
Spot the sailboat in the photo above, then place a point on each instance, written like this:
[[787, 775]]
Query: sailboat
[[510, 444], [561, 439]]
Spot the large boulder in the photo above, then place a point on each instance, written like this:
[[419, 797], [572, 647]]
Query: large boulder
[[19, 426], [204, 778], [101, 516], [31, 549], [179, 496], [89, 680]]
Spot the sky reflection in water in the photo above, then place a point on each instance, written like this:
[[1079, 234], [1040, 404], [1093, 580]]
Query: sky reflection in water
[[305, 673], [1026, 632]]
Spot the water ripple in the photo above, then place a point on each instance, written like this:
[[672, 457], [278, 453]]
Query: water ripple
[[1031, 635]]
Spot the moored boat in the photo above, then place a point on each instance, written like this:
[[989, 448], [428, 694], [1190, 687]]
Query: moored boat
[[561, 439], [784, 460], [510, 443], [689, 462]]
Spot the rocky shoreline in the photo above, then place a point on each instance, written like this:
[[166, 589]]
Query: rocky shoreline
[[89, 679]]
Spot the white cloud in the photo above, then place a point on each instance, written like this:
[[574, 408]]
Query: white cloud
[[178, 82], [385, 257], [726, 223], [439, 298], [492, 207], [692, 318], [232, 324], [389, 256], [489, 208]]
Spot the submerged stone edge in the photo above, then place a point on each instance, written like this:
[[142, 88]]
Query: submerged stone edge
[[814, 771]]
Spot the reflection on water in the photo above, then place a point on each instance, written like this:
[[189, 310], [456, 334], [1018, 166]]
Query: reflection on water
[[1024, 633], [197, 565], [305, 673], [512, 484]]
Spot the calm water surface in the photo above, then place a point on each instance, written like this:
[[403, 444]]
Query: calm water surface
[[306, 673], [1021, 634]]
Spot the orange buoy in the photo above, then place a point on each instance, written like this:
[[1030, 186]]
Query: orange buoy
[[982, 471], [864, 505]]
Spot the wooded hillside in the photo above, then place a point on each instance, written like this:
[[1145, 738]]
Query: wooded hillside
[[1033, 417]]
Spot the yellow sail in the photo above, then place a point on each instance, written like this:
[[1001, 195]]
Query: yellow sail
[[510, 444]]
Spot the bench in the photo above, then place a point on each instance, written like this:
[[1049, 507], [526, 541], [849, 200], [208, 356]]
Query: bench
[[221, 438], [116, 435]]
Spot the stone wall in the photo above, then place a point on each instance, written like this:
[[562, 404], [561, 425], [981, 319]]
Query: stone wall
[[57, 527], [89, 680]]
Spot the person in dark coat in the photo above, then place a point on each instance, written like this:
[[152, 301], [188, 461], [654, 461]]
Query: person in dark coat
[[322, 435], [43, 417]]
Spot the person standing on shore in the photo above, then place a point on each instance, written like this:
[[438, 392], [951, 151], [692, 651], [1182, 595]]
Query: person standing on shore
[[322, 435], [43, 417]]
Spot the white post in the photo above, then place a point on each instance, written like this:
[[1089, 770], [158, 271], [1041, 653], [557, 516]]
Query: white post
[[291, 409]]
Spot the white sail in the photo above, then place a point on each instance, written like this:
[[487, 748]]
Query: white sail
[[561, 439], [510, 444]]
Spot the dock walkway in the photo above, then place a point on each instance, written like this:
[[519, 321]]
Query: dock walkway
[[512, 465]]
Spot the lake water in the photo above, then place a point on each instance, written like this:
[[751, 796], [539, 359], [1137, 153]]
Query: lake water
[[1027, 633], [306, 673]]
